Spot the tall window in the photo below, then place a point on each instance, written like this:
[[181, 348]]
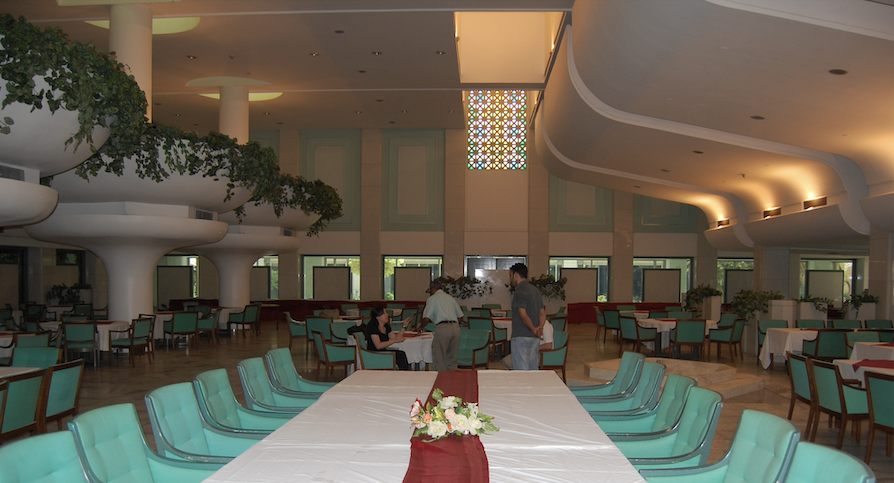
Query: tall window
[[271, 263], [311, 261], [556, 264], [684, 265], [390, 263], [497, 130], [476, 263]]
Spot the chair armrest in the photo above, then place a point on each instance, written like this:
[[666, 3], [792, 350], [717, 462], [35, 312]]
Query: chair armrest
[[599, 390], [851, 382], [166, 469], [659, 447], [707, 474]]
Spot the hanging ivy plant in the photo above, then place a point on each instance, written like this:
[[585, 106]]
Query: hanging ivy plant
[[465, 287], [549, 287], [80, 78]]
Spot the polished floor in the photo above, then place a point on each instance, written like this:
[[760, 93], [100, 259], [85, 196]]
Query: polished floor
[[119, 383]]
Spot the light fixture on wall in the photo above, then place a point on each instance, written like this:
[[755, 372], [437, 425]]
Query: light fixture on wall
[[722, 223], [772, 212], [814, 203]]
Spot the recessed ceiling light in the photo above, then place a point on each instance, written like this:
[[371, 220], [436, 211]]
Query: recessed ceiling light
[[772, 212], [376, 52], [358, 112], [451, 112], [665, 170], [191, 57], [390, 122], [339, 31], [266, 113], [699, 152], [195, 124], [178, 115], [404, 112], [837, 71], [440, 52], [758, 118], [314, 54], [279, 122], [362, 71], [636, 186], [722, 223], [380, 100]]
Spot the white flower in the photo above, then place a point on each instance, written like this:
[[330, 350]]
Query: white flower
[[473, 409], [436, 429], [416, 409], [475, 423], [448, 402], [461, 424]]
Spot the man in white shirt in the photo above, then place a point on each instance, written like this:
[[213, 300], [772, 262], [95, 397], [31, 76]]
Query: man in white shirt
[[444, 312], [546, 343]]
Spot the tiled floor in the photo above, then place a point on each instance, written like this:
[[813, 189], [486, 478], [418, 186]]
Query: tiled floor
[[119, 383]]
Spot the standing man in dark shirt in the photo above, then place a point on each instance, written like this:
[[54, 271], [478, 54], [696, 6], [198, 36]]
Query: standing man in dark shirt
[[528, 319]]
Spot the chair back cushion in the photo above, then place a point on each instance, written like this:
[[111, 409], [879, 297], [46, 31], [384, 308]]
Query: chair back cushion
[[612, 319], [673, 399], [847, 324], [628, 327], [814, 462], [377, 360], [42, 357], [213, 387], [340, 329], [112, 444], [628, 372], [826, 382], [282, 367], [762, 448], [480, 323], [320, 324], [79, 332], [45, 458], [142, 327], [879, 324], [185, 322], [810, 324], [65, 386], [255, 383], [831, 344], [690, 331], [174, 413], [880, 390], [797, 366], [23, 401], [33, 340], [699, 422], [560, 338]]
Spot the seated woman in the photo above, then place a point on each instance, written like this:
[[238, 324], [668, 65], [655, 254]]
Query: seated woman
[[379, 336]]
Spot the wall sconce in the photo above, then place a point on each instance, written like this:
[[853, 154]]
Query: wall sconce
[[722, 223], [773, 212], [811, 204]]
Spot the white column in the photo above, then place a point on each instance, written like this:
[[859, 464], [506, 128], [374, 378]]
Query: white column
[[234, 112], [130, 37], [234, 275]]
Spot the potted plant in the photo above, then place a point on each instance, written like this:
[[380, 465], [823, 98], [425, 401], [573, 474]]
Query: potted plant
[[696, 300], [62, 294], [810, 307], [747, 303], [857, 301]]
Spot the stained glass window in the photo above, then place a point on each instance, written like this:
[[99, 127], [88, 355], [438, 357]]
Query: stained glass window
[[497, 130]]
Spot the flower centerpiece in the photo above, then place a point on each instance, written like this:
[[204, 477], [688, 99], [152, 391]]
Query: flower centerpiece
[[449, 416]]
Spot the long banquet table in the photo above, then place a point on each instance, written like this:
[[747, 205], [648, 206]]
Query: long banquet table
[[359, 431]]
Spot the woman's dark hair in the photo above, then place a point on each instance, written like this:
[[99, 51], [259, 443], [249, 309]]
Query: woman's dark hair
[[375, 313]]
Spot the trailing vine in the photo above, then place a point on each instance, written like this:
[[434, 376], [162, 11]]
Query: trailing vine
[[550, 287], [696, 296], [819, 303], [79, 77], [465, 287]]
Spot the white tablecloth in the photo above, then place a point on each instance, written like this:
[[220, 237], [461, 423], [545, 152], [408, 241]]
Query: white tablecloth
[[57, 310], [846, 368], [15, 371], [359, 431], [504, 323], [102, 331], [5, 340], [664, 327], [873, 350], [418, 349], [780, 341]]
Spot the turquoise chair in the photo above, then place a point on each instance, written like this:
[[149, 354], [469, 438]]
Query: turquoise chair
[[46, 458], [624, 382], [297, 329], [561, 310], [845, 402], [879, 324], [846, 324], [829, 344], [625, 308], [332, 355], [627, 334], [474, 348], [815, 463], [726, 320], [810, 324], [382, 360], [637, 335], [42, 357], [346, 307], [801, 388], [80, 337], [25, 399], [642, 400], [339, 331], [467, 314], [688, 333], [183, 324], [208, 325], [38, 339], [484, 312], [677, 314], [481, 323], [672, 308], [657, 315], [285, 378], [66, 317], [320, 324], [660, 420], [761, 452], [612, 323], [359, 340], [180, 432], [64, 391], [555, 358], [139, 339], [112, 447], [411, 314], [600, 322], [852, 338], [222, 411], [559, 322], [731, 336], [491, 306], [762, 326], [6, 320], [260, 395], [363, 312], [880, 392], [688, 444], [249, 316]]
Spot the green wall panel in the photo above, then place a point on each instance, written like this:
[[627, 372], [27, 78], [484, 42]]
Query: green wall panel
[[651, 215], [413, 180], [334, 157], [574, 207]]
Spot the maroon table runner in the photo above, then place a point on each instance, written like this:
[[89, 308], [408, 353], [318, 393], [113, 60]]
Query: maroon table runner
[[887, 344], [452, 458], [874, 363]]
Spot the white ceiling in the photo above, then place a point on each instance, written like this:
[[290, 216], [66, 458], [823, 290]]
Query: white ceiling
[[637, 86]]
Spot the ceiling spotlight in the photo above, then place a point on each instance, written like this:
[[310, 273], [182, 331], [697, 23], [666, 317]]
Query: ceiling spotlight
[[814, 203], [339, 31], [772, 212], [451, 112], [758, 118], [699, 152], [665, 170], [191, 57], [358, 112], [362, 71], [390, 122], [266, 113], [404, 112], [722, 223], [375, 52], [440, 52], [837, 71], [178, 115], [280, 122], [380, 100], [636, 186], [314, 54]]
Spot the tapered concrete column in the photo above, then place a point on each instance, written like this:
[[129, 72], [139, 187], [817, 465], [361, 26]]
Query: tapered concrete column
[[881, 271], [234, 112], [130, 37], [622, 248], [771, 269]]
